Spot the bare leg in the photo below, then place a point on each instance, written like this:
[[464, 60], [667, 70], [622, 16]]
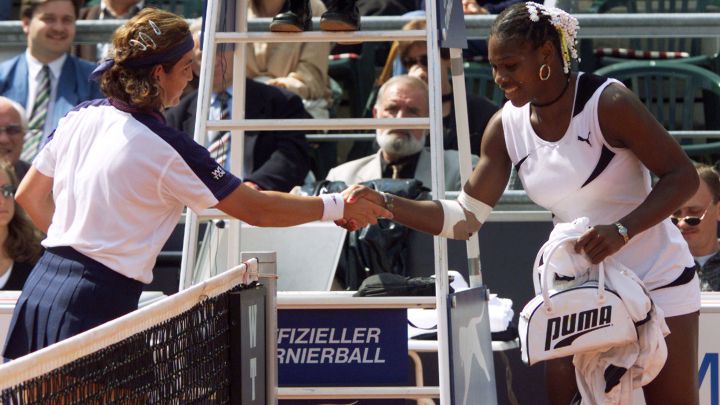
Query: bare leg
[[677, 383], [560, 380]]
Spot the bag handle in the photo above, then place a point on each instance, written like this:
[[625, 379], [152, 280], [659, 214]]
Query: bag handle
[[543, 285]]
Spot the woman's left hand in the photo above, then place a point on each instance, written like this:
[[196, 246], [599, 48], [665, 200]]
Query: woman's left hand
[[599, 242]]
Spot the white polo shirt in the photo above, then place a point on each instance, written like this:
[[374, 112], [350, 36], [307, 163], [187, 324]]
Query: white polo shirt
[[121, 178]]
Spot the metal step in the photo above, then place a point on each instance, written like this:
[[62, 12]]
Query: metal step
[[321, 36], [319, 124]]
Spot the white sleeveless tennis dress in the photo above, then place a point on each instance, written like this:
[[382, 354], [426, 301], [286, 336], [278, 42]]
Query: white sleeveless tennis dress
[[581, 175]]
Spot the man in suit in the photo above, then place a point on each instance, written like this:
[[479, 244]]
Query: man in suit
[[106, 10], [50, 29], [402, 153], [13, 125], [273, 160]]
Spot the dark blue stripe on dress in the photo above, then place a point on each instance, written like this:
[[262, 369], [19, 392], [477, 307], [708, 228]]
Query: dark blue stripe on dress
[[587, 85], [606, 156], [517, 166], [685, 277]]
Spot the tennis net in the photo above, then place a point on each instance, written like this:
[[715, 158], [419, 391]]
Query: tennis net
[[176, 350]]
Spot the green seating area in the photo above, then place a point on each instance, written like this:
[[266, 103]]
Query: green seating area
[[681, 96]]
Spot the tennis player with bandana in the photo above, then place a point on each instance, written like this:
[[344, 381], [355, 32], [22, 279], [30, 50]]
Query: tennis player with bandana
[[111, 183]]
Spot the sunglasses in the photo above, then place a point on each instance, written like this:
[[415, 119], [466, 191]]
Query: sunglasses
[[7, 191], [690, 220], [421, 60], [11, 130]]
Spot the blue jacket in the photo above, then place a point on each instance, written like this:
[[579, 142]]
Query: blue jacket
[[73, 85]]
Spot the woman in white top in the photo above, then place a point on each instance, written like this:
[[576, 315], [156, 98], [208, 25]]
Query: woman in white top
[[110, 185], [583, 146]]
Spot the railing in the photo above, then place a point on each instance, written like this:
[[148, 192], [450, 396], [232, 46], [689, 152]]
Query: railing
[[695, 25]]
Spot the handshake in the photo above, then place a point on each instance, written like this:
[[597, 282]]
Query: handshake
[[363, 206]]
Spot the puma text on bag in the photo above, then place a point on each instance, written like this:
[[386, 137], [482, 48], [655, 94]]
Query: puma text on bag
[[575, 320]]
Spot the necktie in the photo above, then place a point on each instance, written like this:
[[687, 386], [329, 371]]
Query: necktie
[[37, 119], [219, 146], [395, 171]]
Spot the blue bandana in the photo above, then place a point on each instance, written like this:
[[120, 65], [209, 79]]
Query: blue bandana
[[167, 55]]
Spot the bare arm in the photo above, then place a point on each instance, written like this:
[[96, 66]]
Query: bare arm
[[34, 194], [487, 183], [271, 208], [625, 122]]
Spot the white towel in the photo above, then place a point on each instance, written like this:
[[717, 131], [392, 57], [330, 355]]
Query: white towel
[[642, 360]]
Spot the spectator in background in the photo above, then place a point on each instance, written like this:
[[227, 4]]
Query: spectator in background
[[45, 79], [477, 48], [299, 67], [413, 56], [273, 160], [698, 222], [386, 7], [402, 154], [19, 239], [106, 10], [341, 15], [13, 126]]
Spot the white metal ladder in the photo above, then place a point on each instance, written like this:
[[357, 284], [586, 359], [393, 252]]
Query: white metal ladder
[[237, 125]]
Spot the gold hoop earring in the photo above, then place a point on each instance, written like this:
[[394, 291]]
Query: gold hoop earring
[[540, 72]]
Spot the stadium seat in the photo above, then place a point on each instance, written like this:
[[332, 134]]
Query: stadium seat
[[479, 81], [680, 96], [688, 50]]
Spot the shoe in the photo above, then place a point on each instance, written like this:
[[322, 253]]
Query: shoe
[[342, 15], [297, 18]]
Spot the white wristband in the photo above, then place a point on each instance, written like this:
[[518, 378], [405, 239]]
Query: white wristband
[[333, 206]]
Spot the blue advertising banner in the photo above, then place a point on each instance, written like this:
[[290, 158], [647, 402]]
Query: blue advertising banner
[[342, 347]]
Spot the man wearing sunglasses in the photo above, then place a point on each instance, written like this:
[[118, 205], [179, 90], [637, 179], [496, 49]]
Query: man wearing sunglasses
[[13, 126], [698, 222]]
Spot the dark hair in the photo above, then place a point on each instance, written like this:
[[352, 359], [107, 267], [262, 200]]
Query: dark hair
[[711, 179], [137, 86], [27, 7], [514, 24], [23, 240]]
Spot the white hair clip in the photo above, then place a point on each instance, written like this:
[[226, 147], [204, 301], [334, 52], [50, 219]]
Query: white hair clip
[[566, 25], [155, 27], [143, 42]]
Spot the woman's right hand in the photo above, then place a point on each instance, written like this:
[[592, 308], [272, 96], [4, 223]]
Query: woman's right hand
[[362, 205]]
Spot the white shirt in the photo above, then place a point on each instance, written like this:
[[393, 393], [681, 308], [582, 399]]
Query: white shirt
[[5, 277], [581, 175], [120, 182], [34, 69]]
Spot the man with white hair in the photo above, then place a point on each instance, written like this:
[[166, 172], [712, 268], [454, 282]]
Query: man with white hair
[[13, 126], [402, 153]]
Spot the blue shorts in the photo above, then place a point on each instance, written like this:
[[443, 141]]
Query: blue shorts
[[67, 293]]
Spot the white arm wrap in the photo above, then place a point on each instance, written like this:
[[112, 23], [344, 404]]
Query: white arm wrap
[[454, 212], [476, 207]]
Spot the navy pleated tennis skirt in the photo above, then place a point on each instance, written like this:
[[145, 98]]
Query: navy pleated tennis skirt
[[67, 293]]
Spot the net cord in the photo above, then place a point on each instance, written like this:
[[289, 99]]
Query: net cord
[[66, 351]]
